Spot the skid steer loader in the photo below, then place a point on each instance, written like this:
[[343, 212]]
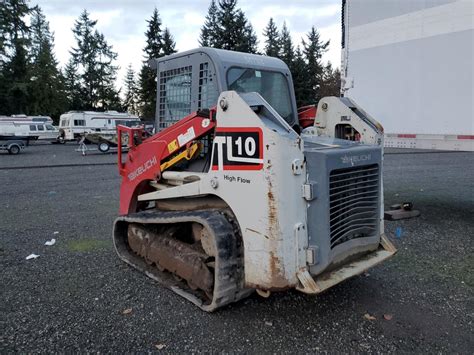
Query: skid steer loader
[[231, 196]]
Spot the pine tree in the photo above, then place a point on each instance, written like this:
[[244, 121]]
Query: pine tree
[[227, 27], [272, 41], [108, 96], [246, 37], [12, 27], [94, 59], [210, 30], [46, 92], [14, 60], [113, 101], [84, 58], [40, 35], [331, 82], [153, 49], [314, 49], [286, 46], [154, 37], [169, 45], [5, 43], [72, 86], [4, 32], [130, 102], [298, 71], [226, 37]]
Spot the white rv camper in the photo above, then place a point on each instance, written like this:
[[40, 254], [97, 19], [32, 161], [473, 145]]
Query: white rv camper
[[74, 124], [410, 64], [28, 127]]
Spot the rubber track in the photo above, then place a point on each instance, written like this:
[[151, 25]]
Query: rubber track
[[229, 269]]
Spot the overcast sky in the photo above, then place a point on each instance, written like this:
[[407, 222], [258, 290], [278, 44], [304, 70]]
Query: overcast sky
[[123, 22]]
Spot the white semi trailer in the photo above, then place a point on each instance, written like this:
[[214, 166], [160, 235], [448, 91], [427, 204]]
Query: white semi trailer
[[411, 65]]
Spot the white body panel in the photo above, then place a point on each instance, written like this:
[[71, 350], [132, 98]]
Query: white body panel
[[265, 197], [74, 124], [409, 63]]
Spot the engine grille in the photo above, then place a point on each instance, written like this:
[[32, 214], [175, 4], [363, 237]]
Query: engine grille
[[353, 196]]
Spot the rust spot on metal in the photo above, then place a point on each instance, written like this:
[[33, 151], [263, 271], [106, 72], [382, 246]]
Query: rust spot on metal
[[272, 212], [274, 264], [277, 278], [277, 272]]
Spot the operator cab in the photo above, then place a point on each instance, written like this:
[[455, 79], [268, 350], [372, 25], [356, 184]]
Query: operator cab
[[192, 81]]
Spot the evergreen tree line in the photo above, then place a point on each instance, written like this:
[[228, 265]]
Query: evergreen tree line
[[32, 83]]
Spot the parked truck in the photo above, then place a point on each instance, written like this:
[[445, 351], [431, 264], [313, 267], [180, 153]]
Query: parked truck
[[29, 128]]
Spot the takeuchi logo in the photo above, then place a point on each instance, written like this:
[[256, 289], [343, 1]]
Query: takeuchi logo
[[354, 159], [142, 168]]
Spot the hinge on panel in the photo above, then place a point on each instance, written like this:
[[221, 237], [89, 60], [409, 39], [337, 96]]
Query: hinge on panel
[[297, 166], [312, 255], [309, 191]]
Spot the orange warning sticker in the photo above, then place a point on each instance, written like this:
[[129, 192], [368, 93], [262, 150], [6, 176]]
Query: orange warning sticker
[[173, 146]]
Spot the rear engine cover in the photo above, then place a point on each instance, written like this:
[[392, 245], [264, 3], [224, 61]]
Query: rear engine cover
[[344, 217]]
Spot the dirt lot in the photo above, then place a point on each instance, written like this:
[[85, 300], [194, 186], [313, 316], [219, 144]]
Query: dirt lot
[[72, 297]]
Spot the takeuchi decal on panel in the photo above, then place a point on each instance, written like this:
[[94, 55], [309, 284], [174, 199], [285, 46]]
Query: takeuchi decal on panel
[[239, 148]]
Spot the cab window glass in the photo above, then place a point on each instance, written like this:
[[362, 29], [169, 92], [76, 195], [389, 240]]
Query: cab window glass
[[273, 87], [128, 123]]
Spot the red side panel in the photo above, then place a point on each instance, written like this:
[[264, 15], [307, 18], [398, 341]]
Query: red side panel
[[307, 115], [406, 135]]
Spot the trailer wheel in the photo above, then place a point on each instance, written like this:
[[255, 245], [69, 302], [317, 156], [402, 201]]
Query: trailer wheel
[[104, 147], [13, 149], [61, 138]]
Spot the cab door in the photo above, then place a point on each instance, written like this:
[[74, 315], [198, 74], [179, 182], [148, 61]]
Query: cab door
[[41, 131], [51, 132], [33, 131]]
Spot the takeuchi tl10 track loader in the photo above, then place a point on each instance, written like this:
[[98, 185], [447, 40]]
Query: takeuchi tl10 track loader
[[239, 191]]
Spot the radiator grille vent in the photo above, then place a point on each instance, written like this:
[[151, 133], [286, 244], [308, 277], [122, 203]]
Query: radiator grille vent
[[353, 196]]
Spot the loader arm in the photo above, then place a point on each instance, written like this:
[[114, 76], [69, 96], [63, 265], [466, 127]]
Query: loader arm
[[340, 117], [147, 158]]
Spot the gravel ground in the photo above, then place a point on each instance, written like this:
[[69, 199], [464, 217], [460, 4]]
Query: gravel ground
[[73, 296]]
